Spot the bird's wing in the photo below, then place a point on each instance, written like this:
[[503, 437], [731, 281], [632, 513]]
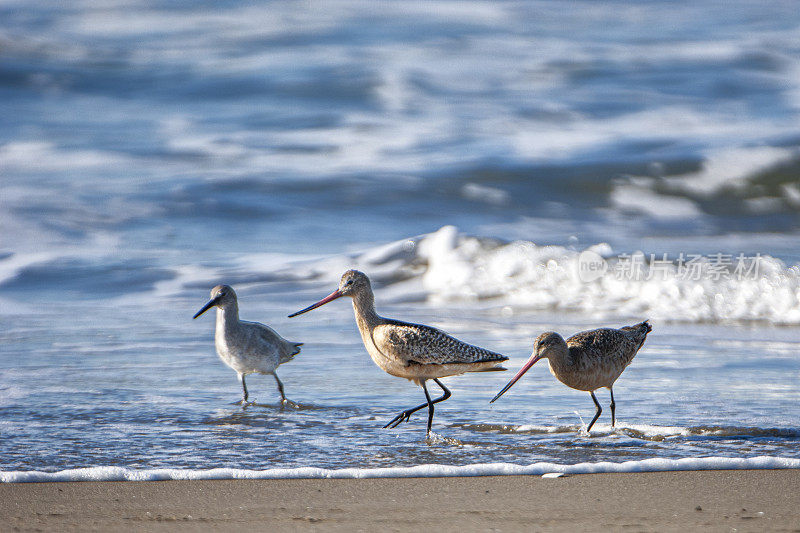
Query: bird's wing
[[599, 344], [263, 332], [269, 337], [416, 343]]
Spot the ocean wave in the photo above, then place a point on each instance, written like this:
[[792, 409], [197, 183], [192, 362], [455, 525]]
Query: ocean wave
[[117, 473], [394, 101], [741, 181], [447, 266], [43, 157]]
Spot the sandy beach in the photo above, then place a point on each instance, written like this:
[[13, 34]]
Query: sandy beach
[[749, 500]]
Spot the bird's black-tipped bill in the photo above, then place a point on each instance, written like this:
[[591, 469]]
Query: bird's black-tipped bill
[[209, 305], [522, 370], [331, 297]]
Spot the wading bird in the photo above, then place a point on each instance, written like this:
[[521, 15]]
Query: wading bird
[[412, 351], [588, 360], [247, 347]]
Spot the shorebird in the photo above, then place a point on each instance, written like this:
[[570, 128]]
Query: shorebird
[[247, 347], [412, 351], [588, 360]]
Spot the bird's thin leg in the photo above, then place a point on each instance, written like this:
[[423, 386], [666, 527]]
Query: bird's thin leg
[[284, 399], [445, 395], [280, 387], [612, 406], [445, 390], [430, 406], [597, 414], [404, 416], [244, 389]]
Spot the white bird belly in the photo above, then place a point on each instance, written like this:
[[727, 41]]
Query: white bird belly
[[245, 360]]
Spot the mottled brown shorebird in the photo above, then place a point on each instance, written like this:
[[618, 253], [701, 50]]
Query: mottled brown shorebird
[[412, 351], [247, 347], [588, 360]]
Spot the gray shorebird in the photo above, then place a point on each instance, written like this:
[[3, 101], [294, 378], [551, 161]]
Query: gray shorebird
[[412, 351], [247, 347], [588, 360]]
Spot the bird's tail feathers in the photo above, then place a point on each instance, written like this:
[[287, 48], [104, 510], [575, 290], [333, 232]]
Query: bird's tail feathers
[[642, 328], [640, 331], [293, 348], [491, 369]]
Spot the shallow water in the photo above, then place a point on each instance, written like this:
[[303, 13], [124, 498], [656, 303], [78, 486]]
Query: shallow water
[[463, 155], [150, 393]]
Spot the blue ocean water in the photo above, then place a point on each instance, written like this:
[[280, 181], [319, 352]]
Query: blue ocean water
[[463, 155]]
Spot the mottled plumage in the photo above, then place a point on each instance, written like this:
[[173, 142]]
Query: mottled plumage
[[412, 351], [587, 360], [420, 344], [247, 347], [596, 358]]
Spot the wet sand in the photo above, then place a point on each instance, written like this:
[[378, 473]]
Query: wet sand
[[743, 500]]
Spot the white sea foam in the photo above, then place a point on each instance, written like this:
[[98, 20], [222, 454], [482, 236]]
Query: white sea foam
[[447, 266], [482, 193], [116, 473], [643, 199], [731, 167], [12, 265], [647, 431], [728, 168], [43, 157], [522, 274]]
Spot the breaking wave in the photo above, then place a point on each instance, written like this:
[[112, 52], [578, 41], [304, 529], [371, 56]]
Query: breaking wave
[[447, 266]]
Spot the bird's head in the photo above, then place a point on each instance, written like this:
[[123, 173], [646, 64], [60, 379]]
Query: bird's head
[[353, 282], [544, 346], [547, 344], [221, 295]]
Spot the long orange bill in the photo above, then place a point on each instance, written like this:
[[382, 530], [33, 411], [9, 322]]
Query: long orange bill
[[522, 370], [331, 297]]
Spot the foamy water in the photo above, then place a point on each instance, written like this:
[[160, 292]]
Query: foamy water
[[475, 159], [497, 469]]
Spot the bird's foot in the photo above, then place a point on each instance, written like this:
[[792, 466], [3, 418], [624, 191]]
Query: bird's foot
[[286, 402], [399, 419]]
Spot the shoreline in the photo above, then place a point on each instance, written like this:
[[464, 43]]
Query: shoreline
[[653, 464], [717, 500]]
